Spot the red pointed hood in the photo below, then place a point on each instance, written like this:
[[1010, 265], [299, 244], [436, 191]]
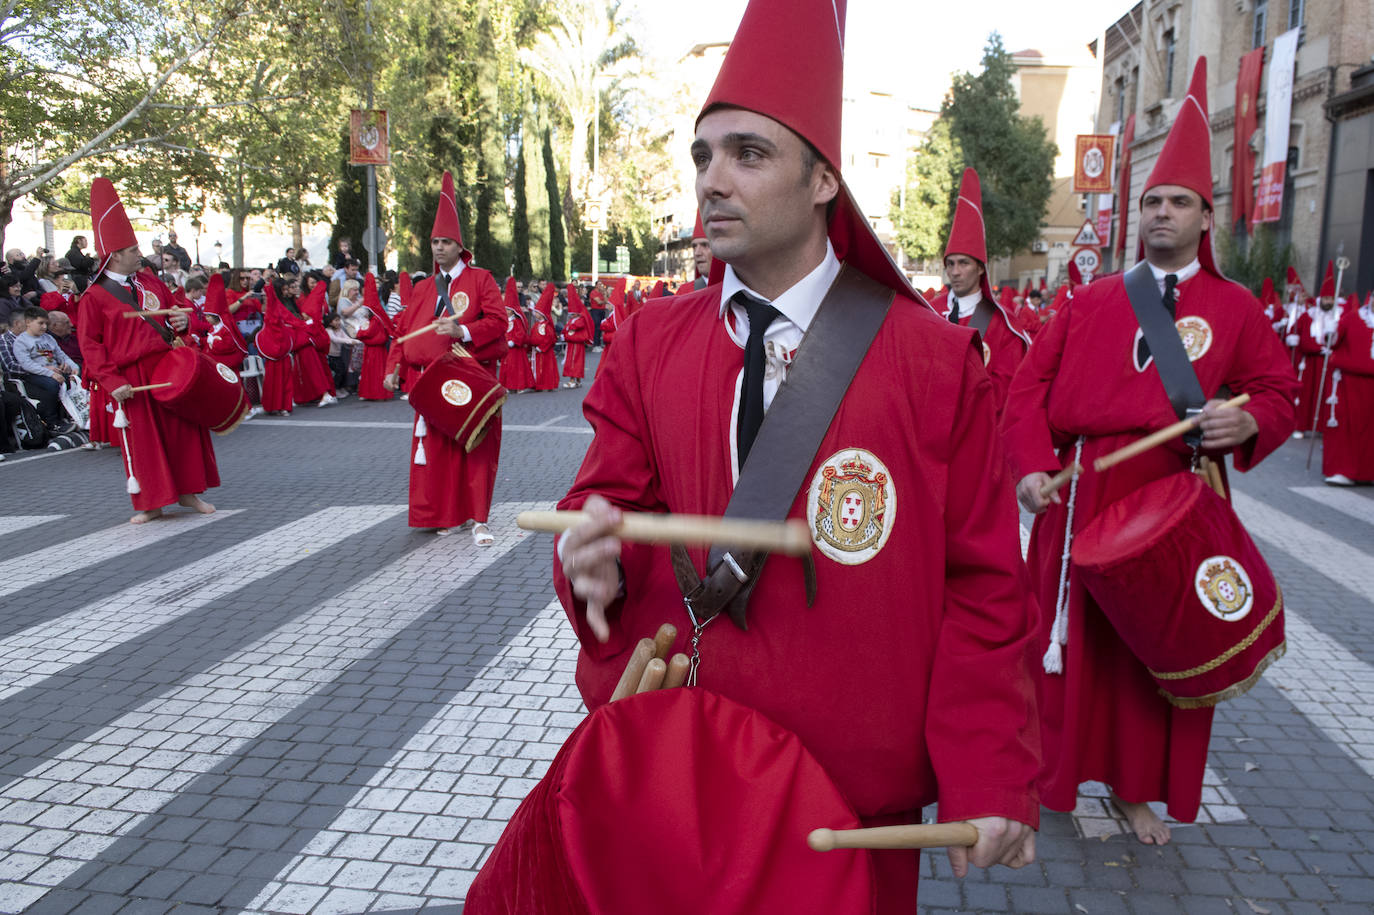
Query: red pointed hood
[[511, 295], [1268, 295], [315, 303], [545, 304], [372, 302], [446, 223], [1007, 298], [217, 303], [967, 235], [1061, 295], [1328, 288], [1186, 159], [404, 287], [760, 74], [109, 223], [1295, 280], [575, 302], [1075, 275], [658, 290], [1043, 286]]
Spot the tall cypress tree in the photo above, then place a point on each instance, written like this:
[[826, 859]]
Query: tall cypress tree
[[520, 238], [350, 206], [558, 246], [536, 193]]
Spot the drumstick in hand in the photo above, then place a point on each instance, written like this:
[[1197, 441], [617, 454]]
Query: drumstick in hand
[[415, 333], [1060, 479], [1158, 438], [789, 538], [919, 835], [151, 387]]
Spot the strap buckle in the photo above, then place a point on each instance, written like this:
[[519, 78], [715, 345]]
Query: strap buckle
[[1193, 437]]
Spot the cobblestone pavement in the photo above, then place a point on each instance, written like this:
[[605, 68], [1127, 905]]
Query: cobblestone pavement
[[300, 705]]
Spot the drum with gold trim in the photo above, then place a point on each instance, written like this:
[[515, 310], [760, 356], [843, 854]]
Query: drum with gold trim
[[676, 802], [458, 398], [202, 390], [1184, 586]]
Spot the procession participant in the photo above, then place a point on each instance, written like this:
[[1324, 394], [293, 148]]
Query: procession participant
[[516, 374], [1269, 300], [577, 333], [166, 459], [224, 343], [969, 301], [450, 486], [599, 307], [1091, 378], [1311, 339], [1348, 444], [659, 290], [542, 337], [275, 343], [314, 377], [608, 328], [374, 332], [701, 260], [927, 694]]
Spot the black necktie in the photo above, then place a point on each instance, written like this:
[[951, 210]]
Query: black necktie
[[953, 310], [133, 291], [441, 283], [761, 314], [1170, 281]]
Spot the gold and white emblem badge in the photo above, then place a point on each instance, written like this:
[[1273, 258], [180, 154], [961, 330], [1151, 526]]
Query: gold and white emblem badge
[[227, 373], [149, 299], [851, 506], [1196, 335], [460, 304], [1224, 588], [987, 353], [456, 392]]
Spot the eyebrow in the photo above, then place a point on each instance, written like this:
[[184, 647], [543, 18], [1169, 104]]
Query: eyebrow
[[737, 139]]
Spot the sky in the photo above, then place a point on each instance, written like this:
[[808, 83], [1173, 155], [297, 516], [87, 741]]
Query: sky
[[908, 47]]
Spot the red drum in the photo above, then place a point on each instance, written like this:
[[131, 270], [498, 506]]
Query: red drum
[[458, 397], [1183, 584], [676, 801], [202, 391]]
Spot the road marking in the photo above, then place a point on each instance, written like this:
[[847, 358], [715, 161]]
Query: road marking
[[1319, 551], [31, 656], [13, 524], [1343, 501], [461, 749], [550, 422], [326, 424], [306, 655], [84, 552]]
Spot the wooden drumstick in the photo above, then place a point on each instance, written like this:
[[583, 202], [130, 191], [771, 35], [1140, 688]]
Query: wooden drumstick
[[1061, 479], [919, 835], [415, 333], [151, 387], [663, 640], [634, 670], [156, 311], [678, 666], [652, 679], [1154, 439], [789, 538]]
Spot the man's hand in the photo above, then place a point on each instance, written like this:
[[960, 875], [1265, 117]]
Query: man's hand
[[57, 374], [449, 327], [1029, 495], [178, 321], [392, 382], [122, 393], [591, 554], [1226, 427], [1000, 841]]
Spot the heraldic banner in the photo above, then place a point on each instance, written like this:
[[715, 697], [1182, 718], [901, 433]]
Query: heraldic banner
[[1247, 121], [1278, 109], [368, 141]]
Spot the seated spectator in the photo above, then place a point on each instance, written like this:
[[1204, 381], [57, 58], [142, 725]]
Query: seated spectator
[[303, 259], [44, 368], [46, 275], [82, 263], [350, 300], [60, 326], [350, 272], [14, 326], [11, 294]]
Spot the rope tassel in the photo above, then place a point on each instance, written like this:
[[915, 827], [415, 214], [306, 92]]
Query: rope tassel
[[420, 432], [121, 422], [1333, 400], [1059, 632]]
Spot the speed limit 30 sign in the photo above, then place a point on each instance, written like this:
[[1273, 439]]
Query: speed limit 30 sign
[[1087, 259]]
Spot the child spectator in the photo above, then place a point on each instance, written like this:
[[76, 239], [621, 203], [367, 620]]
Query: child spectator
[[44, 368]]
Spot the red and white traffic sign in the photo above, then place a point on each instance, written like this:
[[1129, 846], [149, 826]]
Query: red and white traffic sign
[[1088, 261], [1088, 236]]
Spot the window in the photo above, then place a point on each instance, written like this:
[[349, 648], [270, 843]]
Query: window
[[1261, 23], [1295, 11], [1135, 87], [1121, 99], [1170, 48]]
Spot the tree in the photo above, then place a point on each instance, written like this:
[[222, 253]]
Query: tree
[[520, 234], [1249, 261], [922, 210], [1013, 155], [558, 249]]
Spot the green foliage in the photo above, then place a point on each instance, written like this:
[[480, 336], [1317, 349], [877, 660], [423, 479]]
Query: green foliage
[[350, 207], [932, 182], [1249, 260], [520, 235], [558, 249]]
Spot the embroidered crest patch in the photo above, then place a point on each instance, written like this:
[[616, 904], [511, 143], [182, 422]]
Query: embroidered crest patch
[[227, 373], [1196, 335], [1224, 588], [852, 505], [456, 392], [460, 304], [987, 353]]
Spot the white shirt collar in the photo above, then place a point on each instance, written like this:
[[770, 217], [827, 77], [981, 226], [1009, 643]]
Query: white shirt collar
[[799, 303], [120, 278], [453, 272], [966, 303], [1184, 275]]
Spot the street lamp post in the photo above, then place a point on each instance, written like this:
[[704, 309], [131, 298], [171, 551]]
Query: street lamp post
[[596, 179]]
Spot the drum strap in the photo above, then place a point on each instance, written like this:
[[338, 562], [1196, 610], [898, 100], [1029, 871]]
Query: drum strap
[[840, 333], [1181, 384], [126, 298]]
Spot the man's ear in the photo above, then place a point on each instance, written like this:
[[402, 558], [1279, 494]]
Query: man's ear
[[828, 186]]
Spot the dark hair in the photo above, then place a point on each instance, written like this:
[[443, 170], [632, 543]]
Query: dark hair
[[33, 311], [811, 157]]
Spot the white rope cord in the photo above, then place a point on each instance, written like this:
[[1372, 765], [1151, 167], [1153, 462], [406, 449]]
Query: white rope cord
[[1333, 400], [1059, 631]]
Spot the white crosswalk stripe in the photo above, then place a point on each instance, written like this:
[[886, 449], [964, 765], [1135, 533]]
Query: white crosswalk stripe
[[1318, 550], [36, 653], [84, 552], [1359, 507], [342, 425], [478, 758], [306, 654], [13, 524]]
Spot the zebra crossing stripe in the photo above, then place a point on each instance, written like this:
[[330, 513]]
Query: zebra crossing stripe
[[302, 663], [13, 524], [34, 654], [1319, 551], [1341, 500], [83, 552]]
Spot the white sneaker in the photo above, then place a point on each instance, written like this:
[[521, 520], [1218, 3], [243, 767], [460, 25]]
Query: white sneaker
[[1297, 435], [405, 397], [328, 400], [481, 535], [1339, 479], [255, 411]]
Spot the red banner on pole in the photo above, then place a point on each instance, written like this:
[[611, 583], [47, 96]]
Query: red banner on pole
[[1092, 165], [368, 139], [1247, 122]]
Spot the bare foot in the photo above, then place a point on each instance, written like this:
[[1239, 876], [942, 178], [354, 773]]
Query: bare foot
[[145, 517], [191, 500], [1146, 824]]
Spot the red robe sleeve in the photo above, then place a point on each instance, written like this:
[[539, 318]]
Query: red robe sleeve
[[488, 329]]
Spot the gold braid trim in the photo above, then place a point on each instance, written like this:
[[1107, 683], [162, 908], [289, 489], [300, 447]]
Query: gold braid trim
[[1230, 692], [483, 426], [1231, 652]]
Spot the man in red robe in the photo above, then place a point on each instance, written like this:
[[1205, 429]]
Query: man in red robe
[[275, 343], [1348, 445], [968, 300], [926, 694], [449, 486], [516, 374], [701, 260], [1090, 378], [375, 336], [542, 337], [1311, 338], [577, 333], [167, 460]]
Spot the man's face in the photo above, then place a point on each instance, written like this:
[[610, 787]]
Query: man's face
[[157, 248], [758, 201], [1326, 302], [59, 324], [1172, 220], [169, 263], [36, 327], [126, 260], [351, 271], [446, 251], [964, 273], [79, 243], [701, 256], [171, 238], [15, 256]]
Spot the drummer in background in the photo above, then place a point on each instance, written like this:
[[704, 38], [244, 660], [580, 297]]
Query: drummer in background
[[1089, 374], [449, 486], [910, 678], [167, 460]]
